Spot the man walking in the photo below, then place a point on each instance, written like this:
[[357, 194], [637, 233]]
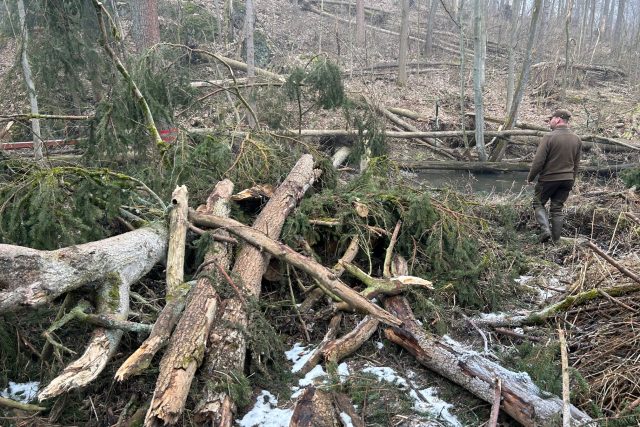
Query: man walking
[[555, 164]]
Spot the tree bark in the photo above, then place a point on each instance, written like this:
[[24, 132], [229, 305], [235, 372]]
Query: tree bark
[[428, 44], [33, 278], [480, 53], [250, 52], [404, 43], [145, 28], [187, 346], [175, 290], [360, 25]]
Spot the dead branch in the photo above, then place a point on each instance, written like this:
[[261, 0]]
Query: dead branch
[[285, 253], [630, 274], [12, 404]]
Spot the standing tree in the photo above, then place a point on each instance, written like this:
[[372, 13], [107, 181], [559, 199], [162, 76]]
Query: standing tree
[[513, 43], [145, 29], [617, 35], [249, 24], [480, 53], [431, 18], [360, 24], [567, 50], [404, 43], [31, 88]]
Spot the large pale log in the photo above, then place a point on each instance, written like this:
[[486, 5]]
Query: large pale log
[[176, 290], [187, 344], [323, 275], [29, 277], [227, 348], [521, 398]]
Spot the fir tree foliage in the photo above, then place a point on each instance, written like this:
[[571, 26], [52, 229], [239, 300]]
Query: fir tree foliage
[[50, 208]]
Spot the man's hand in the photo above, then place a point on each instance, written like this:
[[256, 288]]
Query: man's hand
[[530, 182]]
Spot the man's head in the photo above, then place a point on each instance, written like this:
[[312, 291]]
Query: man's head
[[559, 118]]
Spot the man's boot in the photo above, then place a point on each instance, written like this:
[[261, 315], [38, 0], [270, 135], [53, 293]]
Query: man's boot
[[557, 220], [543, 220]]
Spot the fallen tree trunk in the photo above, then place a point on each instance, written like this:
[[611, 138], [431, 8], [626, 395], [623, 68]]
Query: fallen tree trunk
[[521, 399], [582, 67], [175, 290], [227, 348], [187, 345], [31, 277]]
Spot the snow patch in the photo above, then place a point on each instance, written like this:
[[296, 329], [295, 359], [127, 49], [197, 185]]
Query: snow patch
[[299, 355], [346, 420], [21, 392], [343, 371], [426, 401], [265, 413]]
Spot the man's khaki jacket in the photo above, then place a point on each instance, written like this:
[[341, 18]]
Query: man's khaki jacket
[[557, 157]]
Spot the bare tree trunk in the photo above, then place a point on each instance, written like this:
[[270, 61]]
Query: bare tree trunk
[[227, 343], [567, 50], [610, 15], [480, 46], [404, 44], [498, 152], [521, 399], [360, 25], [513, 44], [430, 22], [33, 278], [617, 36], [31, 88], [145, 28], [463, 75]]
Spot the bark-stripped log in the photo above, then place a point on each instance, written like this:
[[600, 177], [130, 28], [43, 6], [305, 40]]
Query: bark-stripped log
[[325, 277], [175, 294], [521, 398], [187, 344], [30, 277], [227, 348]]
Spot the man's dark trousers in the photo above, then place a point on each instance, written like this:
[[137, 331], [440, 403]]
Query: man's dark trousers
[[557, 191]]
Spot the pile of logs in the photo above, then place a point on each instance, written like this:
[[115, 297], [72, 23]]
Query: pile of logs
[[202, 331]]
